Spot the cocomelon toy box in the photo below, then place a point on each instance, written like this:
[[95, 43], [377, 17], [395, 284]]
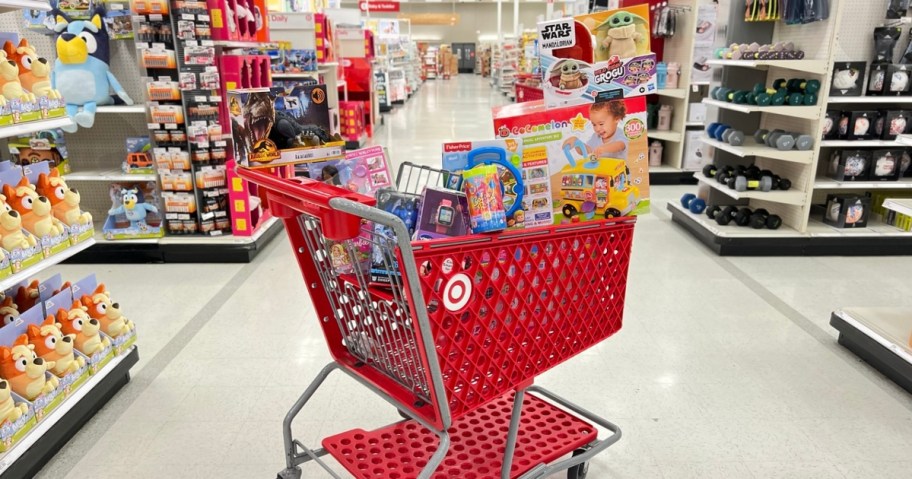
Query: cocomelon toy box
[[596, 154], [585, 56], [533, 181]]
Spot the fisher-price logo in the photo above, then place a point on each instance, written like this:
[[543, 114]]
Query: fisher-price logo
[[552, 125], [611, 72], [634, 129]]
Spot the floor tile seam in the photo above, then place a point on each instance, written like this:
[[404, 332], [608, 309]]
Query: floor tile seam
[[806, 324]]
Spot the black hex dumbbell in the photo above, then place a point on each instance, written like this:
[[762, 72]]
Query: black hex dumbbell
[[763, 219]]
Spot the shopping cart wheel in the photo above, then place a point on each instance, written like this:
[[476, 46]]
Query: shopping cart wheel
[[578, 471], [290, 473]]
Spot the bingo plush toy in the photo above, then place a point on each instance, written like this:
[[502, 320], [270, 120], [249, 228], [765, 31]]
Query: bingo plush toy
[[82, 73], [34, 70]]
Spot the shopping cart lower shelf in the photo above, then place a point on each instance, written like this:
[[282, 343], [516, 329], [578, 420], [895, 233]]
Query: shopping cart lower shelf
[[401, 450]]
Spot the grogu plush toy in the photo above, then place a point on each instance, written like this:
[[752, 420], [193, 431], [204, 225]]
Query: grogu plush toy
[[82, 72], [571, 77], [619, 35]]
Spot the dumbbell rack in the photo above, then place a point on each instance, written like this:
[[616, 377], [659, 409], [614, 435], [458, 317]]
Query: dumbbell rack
[[843, 37]]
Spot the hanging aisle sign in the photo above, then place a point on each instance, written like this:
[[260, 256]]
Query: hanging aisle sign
[[378, 6]]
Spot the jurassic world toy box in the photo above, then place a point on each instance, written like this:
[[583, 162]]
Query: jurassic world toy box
[[135, 212], [282, 125], [585, 56], [597, 154]]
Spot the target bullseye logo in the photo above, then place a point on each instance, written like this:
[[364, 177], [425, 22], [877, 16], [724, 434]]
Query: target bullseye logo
[[457, 292]]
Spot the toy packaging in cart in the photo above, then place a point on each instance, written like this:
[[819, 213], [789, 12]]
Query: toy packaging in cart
[[585, 56], [597, 154]]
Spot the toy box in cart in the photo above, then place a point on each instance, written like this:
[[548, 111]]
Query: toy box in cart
[[585, 56], [597, 154]]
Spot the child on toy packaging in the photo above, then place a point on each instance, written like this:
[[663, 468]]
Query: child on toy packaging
[[608, 140]]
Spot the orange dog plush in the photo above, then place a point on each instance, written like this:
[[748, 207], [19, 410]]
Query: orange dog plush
[[10, 86], [25, 370], [108, 314], [13, 237], [27, 296], [9, 410], [76, 321], [34, 70], [64, 200], [9, 311], [34, 209], [52, 346]]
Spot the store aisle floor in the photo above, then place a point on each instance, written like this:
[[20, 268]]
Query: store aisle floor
[[725, 367]]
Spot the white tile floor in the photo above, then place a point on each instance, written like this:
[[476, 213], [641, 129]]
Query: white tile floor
[[725, 367]]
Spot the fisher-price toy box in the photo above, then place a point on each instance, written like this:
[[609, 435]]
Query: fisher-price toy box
[[586, 56], [597, 154]]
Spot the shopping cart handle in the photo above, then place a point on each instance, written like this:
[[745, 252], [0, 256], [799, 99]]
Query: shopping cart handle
[[289, 197]]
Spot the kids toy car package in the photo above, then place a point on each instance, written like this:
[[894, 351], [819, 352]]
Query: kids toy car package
[[536, 207], [585, 56], [597, 154]]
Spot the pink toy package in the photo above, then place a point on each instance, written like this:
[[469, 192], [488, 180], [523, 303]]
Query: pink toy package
[[363, 171]]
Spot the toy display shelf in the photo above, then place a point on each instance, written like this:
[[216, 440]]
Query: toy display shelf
[[182, 248], [879, 336], [814, 67], [830, 184], [804, 112], [31, 453], [13, 5], [902, 206], [789, 197], [34, 126], [679, 93], [137, 108], [861, 143], [888, 100], [665, 135], [30, 272], [745, 151], [109, 174]]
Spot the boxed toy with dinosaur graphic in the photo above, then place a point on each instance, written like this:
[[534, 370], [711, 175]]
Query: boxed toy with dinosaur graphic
[[135, 212], [533, 181], [597, 154], [35, 211], [586, 56], [282, 125]]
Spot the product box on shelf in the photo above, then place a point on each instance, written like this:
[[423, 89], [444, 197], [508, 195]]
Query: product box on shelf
[[847, 211], [73, 315], [892, 123], [586, 56], [70, 365], [107, 312], [134, 211], [47, 145], [281, 126], [139, 160], [535, 178], [21, 248], [849, 165], [885, 164], [848, 78], [65, 202], [36, 212], [363, 171], [696, 154], [597, 154]]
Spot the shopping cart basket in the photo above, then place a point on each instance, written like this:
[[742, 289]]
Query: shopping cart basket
[[456, 339]]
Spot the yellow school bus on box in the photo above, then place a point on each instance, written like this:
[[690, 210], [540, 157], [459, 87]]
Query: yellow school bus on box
[[600, 187]]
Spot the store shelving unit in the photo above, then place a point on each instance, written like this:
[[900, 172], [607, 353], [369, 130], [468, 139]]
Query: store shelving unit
[[842, 37], [790, 197], [902, 206], [17, 5], [20, 129], [881, 337]]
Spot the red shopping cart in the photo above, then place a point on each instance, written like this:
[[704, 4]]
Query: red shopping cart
[[457, 337]]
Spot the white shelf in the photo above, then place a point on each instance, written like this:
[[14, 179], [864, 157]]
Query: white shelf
[[108, 175], [34, 126], [732, 230], [13, 5], [139, 108], [237, 44], [795, 156], [902, 206], [222, 239], [830, 184], [870, 99], [664, 169], [11, 456], [790, 197], [806, 112], [296, 75], [890, 327], [817, 67], [673, 92], [694, 123], [665, 135], [874, 229], [30, 272], [861, 143]]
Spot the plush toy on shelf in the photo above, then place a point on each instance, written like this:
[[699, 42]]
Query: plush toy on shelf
[[12, 236], [51, 345], [34, 70], [82, 72], [9, 311], [10, 410], [113, 323], [35, 210], [28, 295], [619, 35], [133, 207], [10, 86], [25, 371], [64, 200], [77, 321]]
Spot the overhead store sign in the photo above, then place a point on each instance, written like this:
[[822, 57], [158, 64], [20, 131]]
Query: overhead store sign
[[378, 6], [431, 18]]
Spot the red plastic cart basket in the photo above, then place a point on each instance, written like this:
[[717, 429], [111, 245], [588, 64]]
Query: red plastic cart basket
[[458, 334]]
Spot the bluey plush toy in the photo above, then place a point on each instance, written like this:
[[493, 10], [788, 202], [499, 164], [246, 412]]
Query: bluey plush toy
[[81, 72], [134, 207]]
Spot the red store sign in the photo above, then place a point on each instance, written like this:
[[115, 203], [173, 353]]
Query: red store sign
[[379, 6]]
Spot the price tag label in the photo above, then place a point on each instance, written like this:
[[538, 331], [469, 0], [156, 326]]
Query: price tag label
[[170, 126], [188, 16], [153, 126]]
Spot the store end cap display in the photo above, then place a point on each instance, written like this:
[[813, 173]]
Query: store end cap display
[[597, 154], [606, 51]]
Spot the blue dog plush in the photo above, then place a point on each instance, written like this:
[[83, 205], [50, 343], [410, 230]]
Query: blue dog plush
[[81, 72], [134, 207]]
